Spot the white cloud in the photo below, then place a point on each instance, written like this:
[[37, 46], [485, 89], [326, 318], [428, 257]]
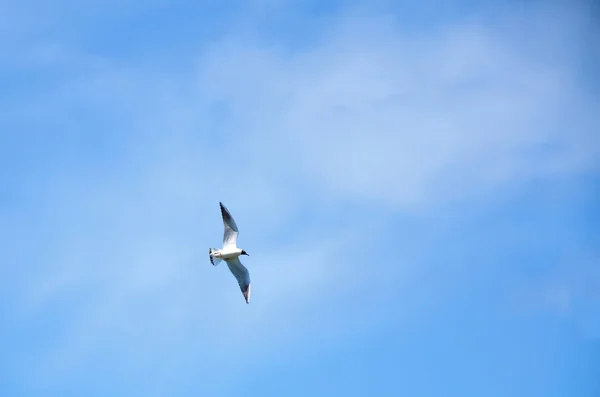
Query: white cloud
[[372, 114]]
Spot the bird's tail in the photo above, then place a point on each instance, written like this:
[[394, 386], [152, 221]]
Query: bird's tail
[[213, 260]]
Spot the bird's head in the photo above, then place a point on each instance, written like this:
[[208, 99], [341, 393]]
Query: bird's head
[[244, 253]]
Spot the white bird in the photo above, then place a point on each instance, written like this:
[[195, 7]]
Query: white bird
[[230, 253]]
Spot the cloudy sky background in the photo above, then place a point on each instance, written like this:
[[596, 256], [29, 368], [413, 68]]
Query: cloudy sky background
[[417, 186]]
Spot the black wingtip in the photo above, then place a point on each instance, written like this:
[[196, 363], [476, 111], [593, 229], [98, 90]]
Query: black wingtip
[[224, 211], [246, 293]]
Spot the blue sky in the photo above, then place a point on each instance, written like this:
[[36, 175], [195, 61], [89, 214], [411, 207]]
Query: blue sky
[[416, 185]]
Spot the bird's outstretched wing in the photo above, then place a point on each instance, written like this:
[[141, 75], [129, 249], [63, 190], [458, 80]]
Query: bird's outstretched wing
[[231, 230], [241, 275]]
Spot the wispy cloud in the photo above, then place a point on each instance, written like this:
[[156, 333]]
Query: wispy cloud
[[371, 114]]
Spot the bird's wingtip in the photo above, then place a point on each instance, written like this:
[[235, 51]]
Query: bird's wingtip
[[246, 294]]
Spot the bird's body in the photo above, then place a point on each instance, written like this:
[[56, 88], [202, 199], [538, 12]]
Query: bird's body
[[230, 253], [227, 253]]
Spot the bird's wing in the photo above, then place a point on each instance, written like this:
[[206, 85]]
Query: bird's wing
[[231, 230], [241, 275]]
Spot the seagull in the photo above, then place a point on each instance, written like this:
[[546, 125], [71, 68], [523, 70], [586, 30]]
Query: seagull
[[230, 253]]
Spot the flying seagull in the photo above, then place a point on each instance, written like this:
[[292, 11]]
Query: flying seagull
[[230, 253]]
